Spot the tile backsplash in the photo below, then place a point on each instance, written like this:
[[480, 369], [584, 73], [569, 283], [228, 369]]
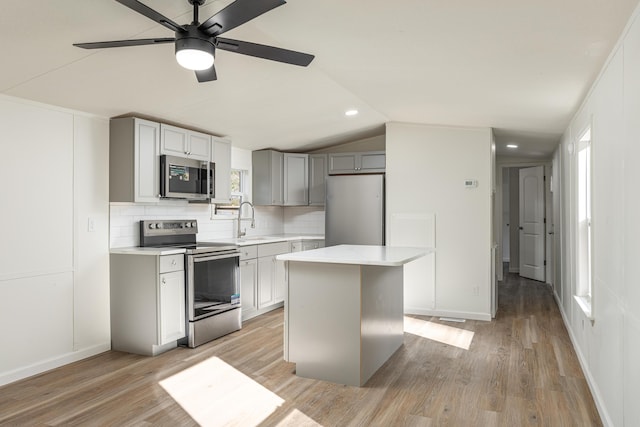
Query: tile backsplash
[[125, 218]]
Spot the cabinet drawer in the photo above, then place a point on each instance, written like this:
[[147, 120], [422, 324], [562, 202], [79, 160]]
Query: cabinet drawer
[[270, 249], [170, 263], [312, 244], [248, 252]]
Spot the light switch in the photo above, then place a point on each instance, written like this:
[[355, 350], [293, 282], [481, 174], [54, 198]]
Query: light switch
[[91, 225]]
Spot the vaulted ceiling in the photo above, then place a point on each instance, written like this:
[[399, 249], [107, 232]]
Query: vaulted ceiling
[[518, 66]]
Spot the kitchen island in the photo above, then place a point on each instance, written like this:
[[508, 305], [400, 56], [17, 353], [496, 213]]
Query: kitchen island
[[344, 310]]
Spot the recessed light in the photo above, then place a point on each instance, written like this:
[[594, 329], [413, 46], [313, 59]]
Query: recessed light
[[351, 112], [512, 146]]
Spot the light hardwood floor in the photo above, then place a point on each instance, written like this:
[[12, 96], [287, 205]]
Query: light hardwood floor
[[519, 370]]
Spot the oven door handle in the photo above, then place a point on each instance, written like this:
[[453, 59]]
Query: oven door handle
[[205, 258]]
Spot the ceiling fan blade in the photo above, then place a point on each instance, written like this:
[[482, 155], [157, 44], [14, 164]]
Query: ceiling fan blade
[[152, 14], [124, 43], [237, 13], [207, 75], [265, 52]]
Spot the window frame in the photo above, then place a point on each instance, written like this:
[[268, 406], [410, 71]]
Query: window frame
[[583, 150], [237, 197]]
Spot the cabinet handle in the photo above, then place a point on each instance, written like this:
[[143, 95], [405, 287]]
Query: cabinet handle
[[164, 280], [173, 262]]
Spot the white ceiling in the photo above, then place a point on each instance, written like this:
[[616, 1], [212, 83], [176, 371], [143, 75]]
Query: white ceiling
[[521, 67]]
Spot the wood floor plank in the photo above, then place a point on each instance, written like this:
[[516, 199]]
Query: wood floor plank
[[519, 370]]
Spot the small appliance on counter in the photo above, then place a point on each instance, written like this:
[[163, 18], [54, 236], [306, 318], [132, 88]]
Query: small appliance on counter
[[211, 276]]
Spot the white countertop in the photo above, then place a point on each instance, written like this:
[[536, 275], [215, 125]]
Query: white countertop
[[274, 238], [134, 250], [243, 241], [389, 256]]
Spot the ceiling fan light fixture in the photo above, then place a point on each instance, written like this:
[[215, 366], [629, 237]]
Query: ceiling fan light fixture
[[194, 59], [194, 54]]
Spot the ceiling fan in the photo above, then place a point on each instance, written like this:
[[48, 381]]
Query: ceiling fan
[[196, 42]]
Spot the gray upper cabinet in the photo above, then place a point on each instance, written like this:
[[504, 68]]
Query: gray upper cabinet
[[176, 141], [134, 147], [268, 177], [280, 179], [364, 162], [317, 175], [296, 179]]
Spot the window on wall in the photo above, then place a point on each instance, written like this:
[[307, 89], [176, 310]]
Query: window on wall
[[238, 193], [584, 224]]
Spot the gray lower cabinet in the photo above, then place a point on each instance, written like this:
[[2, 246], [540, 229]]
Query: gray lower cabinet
[[307, 244], [263, 279], [147, 302], [249, 281]]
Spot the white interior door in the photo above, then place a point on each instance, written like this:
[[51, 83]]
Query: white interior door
[[532, 223]]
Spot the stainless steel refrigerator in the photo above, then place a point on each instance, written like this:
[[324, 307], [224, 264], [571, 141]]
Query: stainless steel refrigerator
[[354, 210]]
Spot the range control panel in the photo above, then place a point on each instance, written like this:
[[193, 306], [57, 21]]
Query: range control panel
[[158, 227]]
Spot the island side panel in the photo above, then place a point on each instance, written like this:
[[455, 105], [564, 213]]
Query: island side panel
[[324, 321], [382, 316]]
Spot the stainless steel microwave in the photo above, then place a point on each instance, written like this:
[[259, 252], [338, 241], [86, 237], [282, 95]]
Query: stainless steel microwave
[[182, 178]]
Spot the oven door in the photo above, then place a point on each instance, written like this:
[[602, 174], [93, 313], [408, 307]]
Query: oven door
[[182, 178], [212, 284]]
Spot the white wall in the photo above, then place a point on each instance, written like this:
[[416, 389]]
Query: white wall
[[608, 347], [426, 170], [54, 281]]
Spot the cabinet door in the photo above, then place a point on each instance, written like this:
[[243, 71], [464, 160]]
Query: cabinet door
[[296, 179], [146, 162], [277, 178], [199, 146], [173, 140], [266, 294], [249, 288], [342, 163], [279, 279], [317, 177], [372, 162], [221, 156], [267, 177], [172, 307]]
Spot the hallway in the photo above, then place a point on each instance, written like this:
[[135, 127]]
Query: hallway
[[519, 370]]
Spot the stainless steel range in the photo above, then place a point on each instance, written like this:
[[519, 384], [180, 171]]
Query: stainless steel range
[[211, 277]]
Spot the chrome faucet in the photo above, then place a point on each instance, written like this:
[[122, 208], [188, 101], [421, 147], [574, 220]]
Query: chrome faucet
[[253, 218]]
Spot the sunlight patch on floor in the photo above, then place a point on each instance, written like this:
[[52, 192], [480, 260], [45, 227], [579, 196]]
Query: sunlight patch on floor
[[216, 394], [445, 334], [296, 418]]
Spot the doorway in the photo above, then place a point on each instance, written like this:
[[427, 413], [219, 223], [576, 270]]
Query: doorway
[[511, 234]]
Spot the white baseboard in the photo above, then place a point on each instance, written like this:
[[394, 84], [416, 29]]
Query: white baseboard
[[55, 362], [446, 313], [595, 391]]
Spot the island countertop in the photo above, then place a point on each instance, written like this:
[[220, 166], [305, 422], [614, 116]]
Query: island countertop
[[359, 254]]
